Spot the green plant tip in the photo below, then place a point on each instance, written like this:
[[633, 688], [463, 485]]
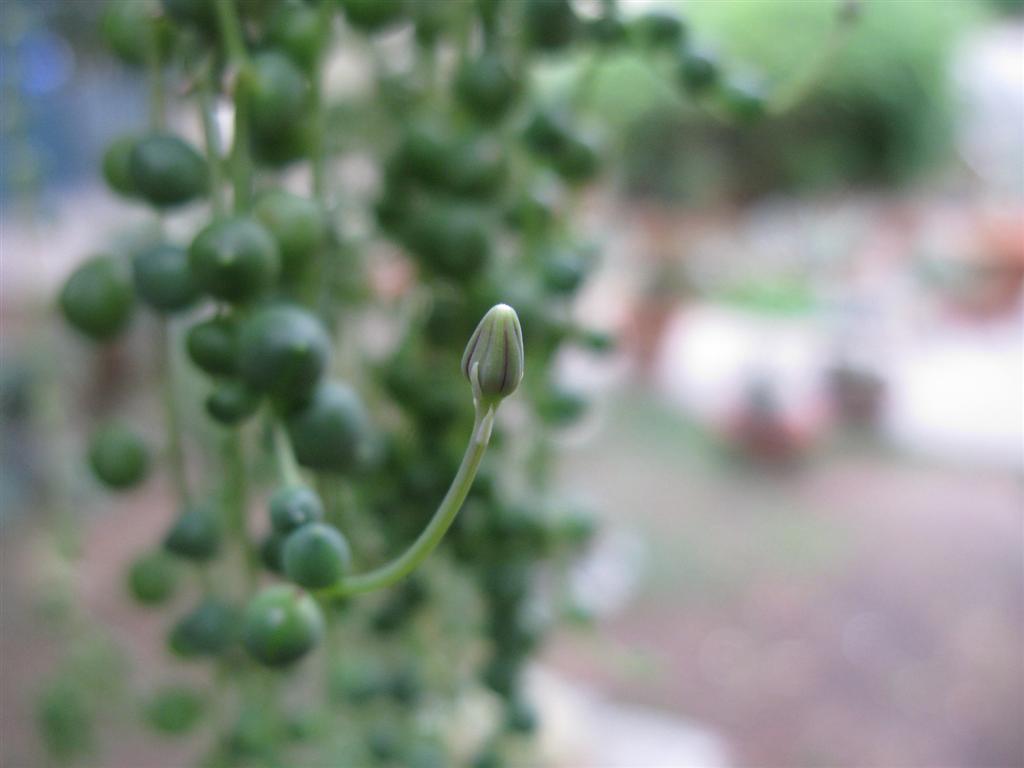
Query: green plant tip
[[493, 360]]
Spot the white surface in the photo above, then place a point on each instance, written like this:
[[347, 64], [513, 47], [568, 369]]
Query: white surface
[[583, 728], [709, 353], [989, 74], [959, 394], [955, 389]]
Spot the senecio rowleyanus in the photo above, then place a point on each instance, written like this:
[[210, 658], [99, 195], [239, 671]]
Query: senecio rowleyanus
[[259, 278]]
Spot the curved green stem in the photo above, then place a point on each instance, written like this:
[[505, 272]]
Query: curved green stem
[[285, 456], [431, 536]]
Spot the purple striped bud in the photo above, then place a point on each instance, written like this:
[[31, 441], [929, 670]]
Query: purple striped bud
[[493, 361]]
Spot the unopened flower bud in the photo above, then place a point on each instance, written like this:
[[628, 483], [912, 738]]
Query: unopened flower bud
[[493, 361]]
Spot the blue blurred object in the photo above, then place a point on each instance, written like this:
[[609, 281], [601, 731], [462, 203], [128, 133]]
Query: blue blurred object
[[45, 63], [59, 109]]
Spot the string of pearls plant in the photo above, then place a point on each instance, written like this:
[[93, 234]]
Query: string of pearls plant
[[362, 552]]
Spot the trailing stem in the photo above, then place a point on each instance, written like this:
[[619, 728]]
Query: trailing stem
[[236, 494], [319, 157], [285, 456], [154, 71], [445, 515], [211, 139], [234, 43], [172, 416]]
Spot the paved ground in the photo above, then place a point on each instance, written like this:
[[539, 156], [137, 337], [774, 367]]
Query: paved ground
[[863, 609]]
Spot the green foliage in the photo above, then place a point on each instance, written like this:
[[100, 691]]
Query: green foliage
[[97, 298], [213, 345], [235, 259], [174, 710], [331, 431], [278, 93], [132, 27], [283, 351], [163, 279], [487, 86], [889, 86], [232, 402], [85, 685], [166, 171], [117, 166], [196, 534], [118, 457], [207, 630], [881, 113], [152, 578], [295, 28], [316, 556], [281, 625], [297, 224], [293, 506], [65, 719], [778, 297], [549, 24], [1013, 7]]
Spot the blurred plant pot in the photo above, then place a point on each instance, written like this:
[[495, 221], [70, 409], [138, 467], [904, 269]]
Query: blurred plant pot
[[987, 281], [999, 273], [857, 395], [760, 429]]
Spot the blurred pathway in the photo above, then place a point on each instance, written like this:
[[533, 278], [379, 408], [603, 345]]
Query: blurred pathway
[[863, 609]]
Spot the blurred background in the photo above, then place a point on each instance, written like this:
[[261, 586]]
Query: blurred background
[[807, 452]]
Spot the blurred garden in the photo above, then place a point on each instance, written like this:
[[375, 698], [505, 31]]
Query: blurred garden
[[757, 500]]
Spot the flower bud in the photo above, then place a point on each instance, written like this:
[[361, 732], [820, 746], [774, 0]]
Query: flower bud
[[493, 361]]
